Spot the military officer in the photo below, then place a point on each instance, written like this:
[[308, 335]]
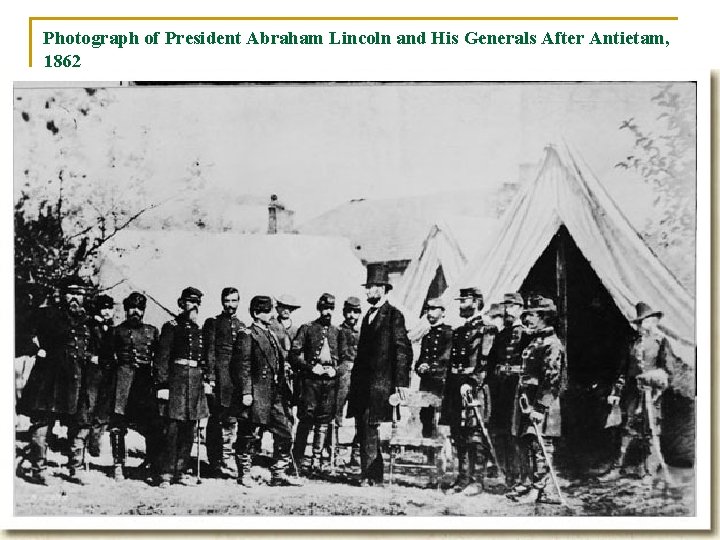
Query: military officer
[[134, 401], [648, 365], [505, 366], [431, 365], [183, 379], [465, 397], [314, 357], [261, 395], [542, 382], [284, 329], [54, 387], [220, 334]]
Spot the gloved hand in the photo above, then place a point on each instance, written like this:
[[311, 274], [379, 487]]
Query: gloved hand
[[465, 389], [41, 353], [613, 400], [164, 394], [247, 400], [422, 369], [537, 417], [208, 388], [329, 371], [318, 369]]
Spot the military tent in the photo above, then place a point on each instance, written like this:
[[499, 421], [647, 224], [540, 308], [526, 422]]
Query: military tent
[[564, 236], [450, 243], [162, 263]]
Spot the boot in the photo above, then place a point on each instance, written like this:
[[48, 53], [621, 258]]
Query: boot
[[319, 437], [94, 439], [244, 462], [301, 436], [229, 435], [37, 455], [279, 476], [530, 496], [462, 480], [473, 487], [117, 443], [76, 460], [355, 455]]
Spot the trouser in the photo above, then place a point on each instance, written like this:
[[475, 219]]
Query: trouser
[[315, 410], [371, 460], [37, 451], [343, 389], [427, 419], [77, 436], [153, 431], [220, 436], [535, 469], [175, 457], [507, 449], [472, 450]]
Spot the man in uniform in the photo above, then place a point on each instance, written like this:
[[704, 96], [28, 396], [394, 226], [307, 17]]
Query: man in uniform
[[220, 333], [465, 401], [183, 379], [284, 329], [134, 401], [432, 364], [382, 367], [261, 395], [314, 358], [54, 390], [643, 376], [99, 373], [505, 366], [542, 382]]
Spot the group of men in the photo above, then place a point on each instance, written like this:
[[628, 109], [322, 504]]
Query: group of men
[[261, 378]]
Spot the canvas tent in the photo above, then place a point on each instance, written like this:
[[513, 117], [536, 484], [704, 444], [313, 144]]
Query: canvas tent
[[564, 236], [162, 263], [450, 243]]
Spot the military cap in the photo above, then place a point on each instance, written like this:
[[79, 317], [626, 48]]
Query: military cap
[[260, 304], [644, 311], [103, 302], [352, 302], [377, 274], [326, 301], [73, 284], [135, 300], [288, 301], [513, 298], [540, 304], [470, 292], [191, 293], [495, 311], [433, 303]]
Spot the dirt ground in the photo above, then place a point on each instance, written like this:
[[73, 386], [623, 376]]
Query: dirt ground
[[335, 494]]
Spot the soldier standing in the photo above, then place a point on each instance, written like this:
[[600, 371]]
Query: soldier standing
[[183, 379], [53, 390], [505, 365], [261, 395], [382, 367], [220, 333], [134, 401], [541, 384], [647, 365], [465, 400], [314, 357], [99, 373], [432, 364], [285, 330]]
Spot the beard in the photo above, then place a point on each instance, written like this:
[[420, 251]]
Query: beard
[[467, 312], [74, 307], [325, 319], [135, 318], [373, 300], [230, 310]]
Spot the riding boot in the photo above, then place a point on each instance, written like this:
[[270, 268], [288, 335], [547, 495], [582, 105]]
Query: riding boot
[[117, 443], [278, 472], [229, 434], [616, 469], [76, 460], [462, 480], [473, 487], [319, 436], [37, 454], [301, 436]]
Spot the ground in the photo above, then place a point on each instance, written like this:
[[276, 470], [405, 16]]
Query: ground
[[336, 495]]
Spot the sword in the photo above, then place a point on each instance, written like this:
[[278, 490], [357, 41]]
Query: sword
[[526, 408], [655, 447], [474, 405], [197, 440], [333, 445]]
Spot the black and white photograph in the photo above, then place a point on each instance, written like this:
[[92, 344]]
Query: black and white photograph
[[366, 299]]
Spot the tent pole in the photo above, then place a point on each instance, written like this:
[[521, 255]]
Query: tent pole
[[561, 284]]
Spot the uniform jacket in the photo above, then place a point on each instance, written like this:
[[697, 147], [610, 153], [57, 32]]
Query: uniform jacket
[[284, 335], [383, 362], [55, 382], [467, 366], [348, 337], [182, 339], [544, 380], [257, 368], [435, 349], [136, 348], [98, 379], [307, 345], [220, 333]]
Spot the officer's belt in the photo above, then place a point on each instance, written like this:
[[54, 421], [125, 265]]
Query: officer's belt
[[509, 369], [529, 380], [140, 362], [185, 362], [462, 370]]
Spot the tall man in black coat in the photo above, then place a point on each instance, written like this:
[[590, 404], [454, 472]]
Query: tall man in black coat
[[262, 395], [220, 334], [381, 368]]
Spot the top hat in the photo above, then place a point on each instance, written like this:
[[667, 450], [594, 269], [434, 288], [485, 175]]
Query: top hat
[[540, 304], [287, 301], [135, 300], [434, 303], [377, 274], [191, 293], [644, 311], [352, 302], [470, 292], [513, 298], [326, 301]]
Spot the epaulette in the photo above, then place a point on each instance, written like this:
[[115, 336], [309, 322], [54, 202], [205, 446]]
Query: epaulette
[[172, 322]]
